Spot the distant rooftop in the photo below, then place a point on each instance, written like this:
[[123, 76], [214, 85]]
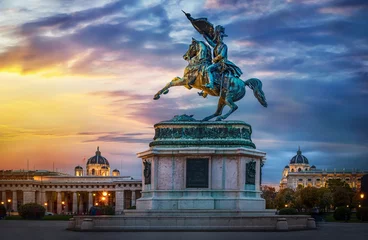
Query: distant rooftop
[[24, 174]]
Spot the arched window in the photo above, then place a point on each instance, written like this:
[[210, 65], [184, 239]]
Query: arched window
[[292, 170], [306, 169], [93, 171], [299, 169]]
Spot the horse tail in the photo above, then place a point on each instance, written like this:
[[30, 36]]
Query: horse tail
[[256, 85]]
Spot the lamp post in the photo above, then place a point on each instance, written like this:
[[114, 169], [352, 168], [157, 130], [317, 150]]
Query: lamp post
[[9, 202], [361, 212]]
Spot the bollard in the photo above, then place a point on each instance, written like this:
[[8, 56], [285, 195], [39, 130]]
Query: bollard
[[71, 224], [282, 225], [311, 223], [87, 224]]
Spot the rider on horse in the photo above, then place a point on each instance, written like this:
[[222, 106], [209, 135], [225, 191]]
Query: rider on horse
[[214, 37], [220, 62]]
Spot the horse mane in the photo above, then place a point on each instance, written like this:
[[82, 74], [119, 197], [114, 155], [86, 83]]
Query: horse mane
[[207, 50]]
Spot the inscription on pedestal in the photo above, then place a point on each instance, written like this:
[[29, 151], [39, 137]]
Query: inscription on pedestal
[[250, 177], [197, 173]]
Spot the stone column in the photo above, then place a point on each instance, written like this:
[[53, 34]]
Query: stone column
[[3, 196], [75, 202], [15, 202], [66, 199], [90, 201], [80, 204], [38, 198], [43, 199], [133, 198], [51, 202], [119, 202], [58, 203], [29, 197]]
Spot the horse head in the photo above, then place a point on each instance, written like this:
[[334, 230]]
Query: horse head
[[192, 50]]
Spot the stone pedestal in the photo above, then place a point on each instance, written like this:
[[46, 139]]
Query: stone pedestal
[[197, 176], [201, 165]]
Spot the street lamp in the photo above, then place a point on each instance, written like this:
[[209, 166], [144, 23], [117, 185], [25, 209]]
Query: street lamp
[[362, 195], [104, 194], [286, 205], [9, 201]]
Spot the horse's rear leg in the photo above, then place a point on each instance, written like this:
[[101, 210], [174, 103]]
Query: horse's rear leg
[[233, 107], [175, 82], [220, 107]]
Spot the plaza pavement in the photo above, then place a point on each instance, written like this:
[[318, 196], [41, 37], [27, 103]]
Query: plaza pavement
[[55, 230]]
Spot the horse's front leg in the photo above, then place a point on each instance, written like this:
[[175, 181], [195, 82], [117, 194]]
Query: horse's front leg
[[233, 107], [175, 82], [220, 107]]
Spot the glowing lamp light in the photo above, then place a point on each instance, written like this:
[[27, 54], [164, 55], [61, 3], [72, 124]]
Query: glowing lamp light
[[96, 203], [94, 194], [62, 202], [9, 200], [2, 203], [286, 205], [103, 198], [45, 204], [360, 205], [362, 195], [104, 194]]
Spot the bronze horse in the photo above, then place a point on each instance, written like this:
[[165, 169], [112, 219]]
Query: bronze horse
[[228, 88]]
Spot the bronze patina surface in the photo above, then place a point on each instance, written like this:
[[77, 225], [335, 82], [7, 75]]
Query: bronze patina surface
[[215, 76]]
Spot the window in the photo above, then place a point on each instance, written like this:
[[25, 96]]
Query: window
[[299, 169], [93, 171], [300, 180], [292, 170], [309, 180]]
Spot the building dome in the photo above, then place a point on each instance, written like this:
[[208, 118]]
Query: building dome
[[78, 168], [314, 167], [104, 167], [98, 159], [299, 158], [115, 170], [287, 166]]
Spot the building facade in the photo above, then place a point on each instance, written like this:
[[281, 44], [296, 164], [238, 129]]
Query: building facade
[[62, 193], [299, 172]]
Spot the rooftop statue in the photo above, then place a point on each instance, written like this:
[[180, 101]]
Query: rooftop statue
[[215, 76]]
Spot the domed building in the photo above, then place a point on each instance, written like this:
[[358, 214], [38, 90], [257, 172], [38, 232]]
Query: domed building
[[98, 165], [78, 171], [299, 172]]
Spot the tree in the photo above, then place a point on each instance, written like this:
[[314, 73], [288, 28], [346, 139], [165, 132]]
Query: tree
[[332, 184], [285, 197], [324, 198], [309, 197], [298, 200], [342, 196], [269, 194]]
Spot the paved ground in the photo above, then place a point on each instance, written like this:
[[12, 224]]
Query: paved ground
[[55, 230]]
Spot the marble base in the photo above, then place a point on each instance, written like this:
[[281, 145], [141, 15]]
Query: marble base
[[215, 220]]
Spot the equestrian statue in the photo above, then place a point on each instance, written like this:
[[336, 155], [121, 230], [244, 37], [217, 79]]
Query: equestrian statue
[[215, 76]]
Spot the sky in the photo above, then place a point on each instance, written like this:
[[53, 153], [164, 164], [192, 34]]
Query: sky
[[77, 74]]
